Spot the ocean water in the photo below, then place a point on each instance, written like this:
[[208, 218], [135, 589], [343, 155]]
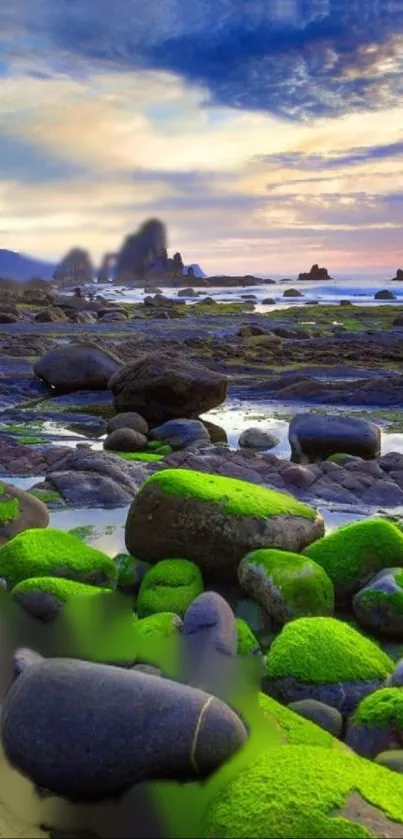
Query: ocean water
[[358, 289]]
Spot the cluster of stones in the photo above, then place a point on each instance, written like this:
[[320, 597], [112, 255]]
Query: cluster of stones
[[203, 550]]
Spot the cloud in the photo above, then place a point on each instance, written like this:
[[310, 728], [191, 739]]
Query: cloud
[[256, 56], [334, 160]]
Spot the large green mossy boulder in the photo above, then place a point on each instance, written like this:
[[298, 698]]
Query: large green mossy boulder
[[54, 553], [169, 586], [353, 554], [286, 584], [214, 521], [43, 597], [377, 724], [325, 659], [295, 792]]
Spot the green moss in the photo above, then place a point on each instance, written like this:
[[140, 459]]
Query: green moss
[[304, 586], [82, 531], [164, 449], [247, 642], [103, 411], [154, 445], [62, 589], [297, 791], [382, 708], [50, 552], [169, 586], [145, 457], [352, 554], [234, 496], [130, 571], [31, 441], [46, 495], [296, 730], [324, 651], [338, 458], [164, 624], [387, 607], [9, 510]]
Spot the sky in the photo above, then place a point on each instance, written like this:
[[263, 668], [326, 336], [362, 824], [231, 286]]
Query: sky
[[266, 134]]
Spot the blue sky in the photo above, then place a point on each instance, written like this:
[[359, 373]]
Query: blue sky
[[267, 134]]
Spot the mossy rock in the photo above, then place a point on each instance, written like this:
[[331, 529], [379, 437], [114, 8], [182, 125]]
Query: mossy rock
[[214, 521], [286, 584], [51, 552], [43, 597], [294, 729], [130, 572], [379, 605], [351, 555], [297, 791], [377, 723], [19, 511], [325, 659], [169, 586], [247, 641]]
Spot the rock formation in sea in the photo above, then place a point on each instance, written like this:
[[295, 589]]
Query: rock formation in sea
[[315, 273], [75, 269]]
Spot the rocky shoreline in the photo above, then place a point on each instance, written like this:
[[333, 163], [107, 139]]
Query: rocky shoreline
[[229, 576]]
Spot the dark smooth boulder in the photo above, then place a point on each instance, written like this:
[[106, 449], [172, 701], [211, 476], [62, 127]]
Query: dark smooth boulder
[[315, 437], [81, 366], [180, 433], [127, 420], [88, 731], [125, 440], [160, 387]]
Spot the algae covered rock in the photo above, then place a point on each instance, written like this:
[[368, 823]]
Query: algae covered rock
[[19, 511], [247, 641], [43, 597], [295, 792], [287, 585], [169, 586], [325, 659], [379, 605], [377, 724], [51, 552], [214, 521], [353, 554], [85, 731]]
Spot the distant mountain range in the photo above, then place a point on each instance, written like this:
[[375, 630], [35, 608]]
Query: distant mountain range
[[21, 267]]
